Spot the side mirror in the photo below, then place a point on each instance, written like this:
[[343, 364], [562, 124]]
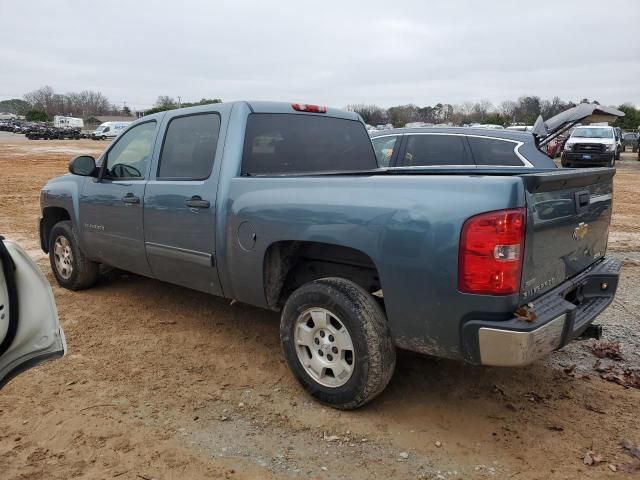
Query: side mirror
[[84, 165]]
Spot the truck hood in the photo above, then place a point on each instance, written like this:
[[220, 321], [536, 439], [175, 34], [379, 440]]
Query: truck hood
[[603, 141], [545, 130]]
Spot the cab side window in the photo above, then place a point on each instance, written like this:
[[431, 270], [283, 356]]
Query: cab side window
[[129, 158], [189, 147], [488, 151], [384, 148]]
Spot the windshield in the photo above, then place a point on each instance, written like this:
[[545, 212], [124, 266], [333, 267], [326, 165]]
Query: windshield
[[100, 128], [593, 133]]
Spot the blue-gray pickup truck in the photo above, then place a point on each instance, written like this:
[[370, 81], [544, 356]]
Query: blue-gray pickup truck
[[283, 206]]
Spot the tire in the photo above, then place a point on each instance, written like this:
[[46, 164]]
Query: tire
[[612, 162], [71, 268], [344, 304]]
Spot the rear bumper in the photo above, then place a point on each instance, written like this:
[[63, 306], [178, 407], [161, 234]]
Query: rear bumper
[[561, 315]]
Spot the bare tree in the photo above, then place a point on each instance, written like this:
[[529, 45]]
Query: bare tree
[[84, 103], [481, 110], [371, 114], [42, 99], [458, 116], [467, 109], [508, 110], [165, 101]]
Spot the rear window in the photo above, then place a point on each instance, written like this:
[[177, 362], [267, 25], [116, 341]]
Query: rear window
[[494, 152], [425, 150], [291, 143]]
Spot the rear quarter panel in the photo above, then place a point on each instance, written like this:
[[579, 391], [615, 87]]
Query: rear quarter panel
[[408, 225]]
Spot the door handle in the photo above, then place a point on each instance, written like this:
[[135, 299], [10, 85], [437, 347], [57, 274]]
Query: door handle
[[131, 198], [197, 202]]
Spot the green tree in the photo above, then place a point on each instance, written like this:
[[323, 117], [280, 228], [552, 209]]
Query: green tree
[[631, 119], [15, 105], [37, 116], [495, 119]]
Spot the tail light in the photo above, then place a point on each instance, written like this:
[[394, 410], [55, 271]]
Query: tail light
[[491, 249], [301, 107]]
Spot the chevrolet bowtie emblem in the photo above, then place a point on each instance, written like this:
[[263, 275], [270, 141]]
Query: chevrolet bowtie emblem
[[580, 231]]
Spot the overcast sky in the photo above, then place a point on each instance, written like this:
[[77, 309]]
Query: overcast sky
[[327, 52]]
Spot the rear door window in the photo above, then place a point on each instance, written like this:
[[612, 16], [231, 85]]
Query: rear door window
[[384, 148], [189, 147], [291, 143], [490, 151], [435, 150]]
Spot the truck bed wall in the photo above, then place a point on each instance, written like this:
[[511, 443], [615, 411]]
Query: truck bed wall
[[408, 226]]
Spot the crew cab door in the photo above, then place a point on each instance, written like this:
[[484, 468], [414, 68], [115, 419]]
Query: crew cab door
[[111, 205], [29, 330], [179, 204]]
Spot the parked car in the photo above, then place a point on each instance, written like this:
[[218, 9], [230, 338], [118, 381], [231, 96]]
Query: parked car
[[460, 146], [283, 206], [591, 146], [29, 329], [630, 139], [489, 126], [521, 128], [618, 135], [555, 146]]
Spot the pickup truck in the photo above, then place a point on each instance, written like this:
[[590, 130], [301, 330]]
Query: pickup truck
[[283, 206]]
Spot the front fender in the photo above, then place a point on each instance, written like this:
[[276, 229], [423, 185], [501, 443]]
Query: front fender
[[64, 193]]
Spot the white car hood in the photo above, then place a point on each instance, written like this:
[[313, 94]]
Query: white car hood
[[603, 141]]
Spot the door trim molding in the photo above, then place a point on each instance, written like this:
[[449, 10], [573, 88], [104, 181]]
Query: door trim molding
[[175, 253]]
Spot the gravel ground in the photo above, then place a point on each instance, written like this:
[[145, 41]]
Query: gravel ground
[[162, 382]]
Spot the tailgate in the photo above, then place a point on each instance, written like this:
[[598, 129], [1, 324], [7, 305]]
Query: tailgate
[[568, 215]]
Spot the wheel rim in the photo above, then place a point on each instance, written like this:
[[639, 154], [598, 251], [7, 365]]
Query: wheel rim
[[63, 257], [324, 347]]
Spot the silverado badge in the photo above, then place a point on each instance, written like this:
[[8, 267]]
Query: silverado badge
[[580, 231]]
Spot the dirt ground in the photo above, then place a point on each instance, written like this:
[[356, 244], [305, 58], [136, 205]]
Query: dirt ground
[[165, 383]]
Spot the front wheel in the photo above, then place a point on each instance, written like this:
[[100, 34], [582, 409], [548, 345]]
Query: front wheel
[[70, 266], [337, 343]]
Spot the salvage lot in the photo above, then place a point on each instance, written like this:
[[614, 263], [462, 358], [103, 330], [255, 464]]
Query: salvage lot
[[163, 382]]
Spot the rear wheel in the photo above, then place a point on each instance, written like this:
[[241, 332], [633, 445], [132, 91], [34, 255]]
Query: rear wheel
[[337, 343], [70, 266]]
